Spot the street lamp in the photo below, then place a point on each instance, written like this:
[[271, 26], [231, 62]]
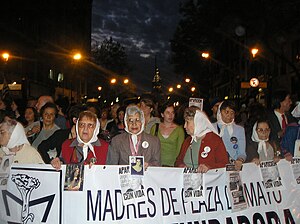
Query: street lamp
[[113, 81], [205, 55], [126, 81], [77, 56], [178, 86], [171, 89], [187, 80], [193, 89], [254, 52], [99, 88], [5, 56]]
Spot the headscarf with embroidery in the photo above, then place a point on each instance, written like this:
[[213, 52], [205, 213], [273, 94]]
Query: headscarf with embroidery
[[202, 126], [88, 145], [262, 146], [129, 111], [17, 138], [222, 124]]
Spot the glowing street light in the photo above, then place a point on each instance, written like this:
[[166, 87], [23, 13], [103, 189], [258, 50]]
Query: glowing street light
[[187, 80], [77, 56], [171, 89], [205, 55], [126, 81], [254, 52], [99, 88], [5, 56], [193, 89], [178, 86], [113, 81]]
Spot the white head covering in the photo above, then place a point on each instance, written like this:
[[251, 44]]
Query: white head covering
[[88, 145], [223, 124], [296, 111], [262, 146], [130, 110], [18, 137], [202, 126]]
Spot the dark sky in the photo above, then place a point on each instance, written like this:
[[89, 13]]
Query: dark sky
[[144, 28]]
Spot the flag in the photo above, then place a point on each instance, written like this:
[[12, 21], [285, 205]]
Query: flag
[[5, 88]]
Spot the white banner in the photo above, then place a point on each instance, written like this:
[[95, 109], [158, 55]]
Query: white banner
[[35, 194]]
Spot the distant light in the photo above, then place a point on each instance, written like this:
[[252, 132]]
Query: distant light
[[145, 55], [126, 81], [77, 56], [171, 89], [104, 101], [178, 86], [139, 97], [226, 98], [169, 97], [99, 97], [193, 89], [112, 103], [117, 100], [99, 88], [113, 81], [260, 90], [254, 51], [205, 55], [85, 97], [177, 104], [5, 56], [14, 83], [187, 80]]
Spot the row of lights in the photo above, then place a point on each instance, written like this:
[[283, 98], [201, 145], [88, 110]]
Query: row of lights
[[114, 81], [253, 51], [178, 86]]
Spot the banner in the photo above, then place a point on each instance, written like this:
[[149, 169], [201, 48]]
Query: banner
[[35, 194]]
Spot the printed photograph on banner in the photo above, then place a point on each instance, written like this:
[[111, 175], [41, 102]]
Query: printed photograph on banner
[[136, 165], [235, 189], [74, 177], [197, 102], [270, 175], [5, 164], [193, 184], [297, 148], [132, 188], [295, 164]]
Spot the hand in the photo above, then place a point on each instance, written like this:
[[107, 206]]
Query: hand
[[256, 161], [146, 165], [202, 168], [56, 163], [238, 164], [36, 129]]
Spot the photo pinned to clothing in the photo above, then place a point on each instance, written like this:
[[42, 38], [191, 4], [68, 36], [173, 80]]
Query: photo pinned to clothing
[[136, 164], [295, 165], [5, 165], [74, 177], [132, 188], [271, 176], [235, 189], [193, 184]]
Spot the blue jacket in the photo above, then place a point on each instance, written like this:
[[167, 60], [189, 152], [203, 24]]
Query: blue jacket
[[290, 136]]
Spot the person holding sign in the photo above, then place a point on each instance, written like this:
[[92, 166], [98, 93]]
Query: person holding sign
[[203, 149], [86, 148], [134, 142], [233, 135]]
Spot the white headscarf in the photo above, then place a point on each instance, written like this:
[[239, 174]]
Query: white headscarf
[[87, 145], [202, 126], [262, 146], [296, 111], [134, 109], [223, 124], [18, 137]]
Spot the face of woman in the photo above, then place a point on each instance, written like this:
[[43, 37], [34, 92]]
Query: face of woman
[[168, 115], [227, 115], [146, 109], [134, 123], [263, 130], [4, 135], [189, 126], [86, 127], [121, 116], [29, 115], [49, 116]]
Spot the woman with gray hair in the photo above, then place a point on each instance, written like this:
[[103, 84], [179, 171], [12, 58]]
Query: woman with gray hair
[[14, 142], [134, 142]]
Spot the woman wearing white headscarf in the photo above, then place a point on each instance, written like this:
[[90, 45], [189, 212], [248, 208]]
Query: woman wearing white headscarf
[[87, 148], [134, 142], [259, 148], [233, 135], [14, 142], [203, 149]]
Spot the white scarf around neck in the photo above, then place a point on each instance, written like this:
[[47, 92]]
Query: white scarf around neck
[[262, 145], [224, 125], [88, 145]]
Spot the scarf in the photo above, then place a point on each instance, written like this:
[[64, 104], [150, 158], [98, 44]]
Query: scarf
[[202, 126], [134, 137], [18, 137], [262, 146], [88, 145], [224, 125]]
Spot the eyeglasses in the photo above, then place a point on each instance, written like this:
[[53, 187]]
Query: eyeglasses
[[133, 121], [261, 130], [88, 125]]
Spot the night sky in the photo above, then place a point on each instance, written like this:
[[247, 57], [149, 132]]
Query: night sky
[[144, 28]]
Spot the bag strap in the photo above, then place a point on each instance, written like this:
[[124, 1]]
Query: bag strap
[[156, 128]]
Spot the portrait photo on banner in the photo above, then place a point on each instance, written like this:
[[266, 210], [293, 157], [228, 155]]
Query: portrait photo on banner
[[74, 177]]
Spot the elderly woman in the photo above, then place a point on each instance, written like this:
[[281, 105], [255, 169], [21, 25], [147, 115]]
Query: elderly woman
[[134, 142], [233, 135], [14, 142], [87, 148], [203, 149], [259, 148]]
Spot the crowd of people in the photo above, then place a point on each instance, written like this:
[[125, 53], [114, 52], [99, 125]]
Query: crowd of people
[[54, 132]]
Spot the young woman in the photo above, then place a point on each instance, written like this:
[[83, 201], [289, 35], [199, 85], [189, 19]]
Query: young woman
[[170, 134]]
